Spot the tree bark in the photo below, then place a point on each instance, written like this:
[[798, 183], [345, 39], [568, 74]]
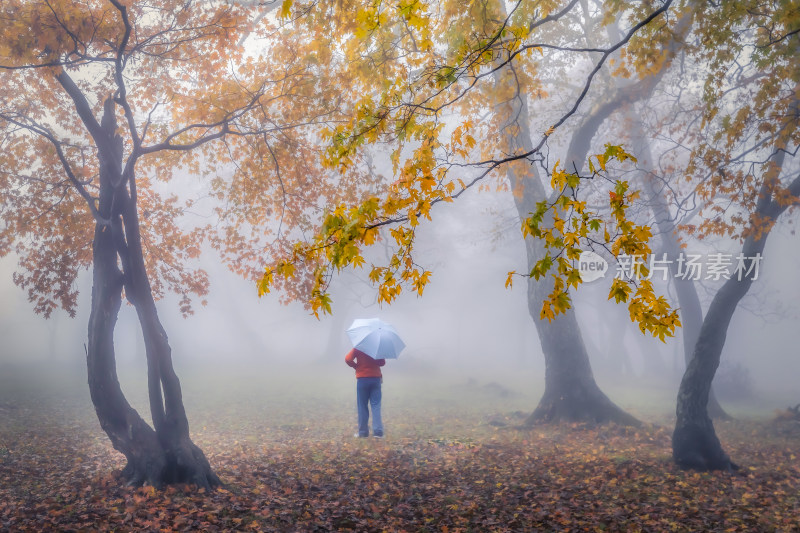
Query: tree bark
[[129, 434], [571, 392], [694, 442], [619, 97], [165, 454]]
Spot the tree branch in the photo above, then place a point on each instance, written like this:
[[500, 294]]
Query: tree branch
[[43, 132], [82, 106]]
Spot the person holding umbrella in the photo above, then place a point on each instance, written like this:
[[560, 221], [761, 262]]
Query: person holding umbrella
[[374, 341]]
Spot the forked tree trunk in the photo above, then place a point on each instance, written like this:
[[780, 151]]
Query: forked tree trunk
[[571, 392], [622, 96], [688, 300], [165, 454], [129, 434]]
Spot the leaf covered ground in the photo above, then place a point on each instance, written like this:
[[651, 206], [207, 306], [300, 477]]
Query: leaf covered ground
[[290, 463]]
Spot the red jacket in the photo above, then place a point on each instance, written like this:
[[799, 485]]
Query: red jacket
[[366, 366]]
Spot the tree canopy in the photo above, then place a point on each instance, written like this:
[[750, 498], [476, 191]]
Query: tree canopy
[[190, 100], [439, 111]]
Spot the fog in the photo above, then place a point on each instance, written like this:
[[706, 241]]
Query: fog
[[466, 328]]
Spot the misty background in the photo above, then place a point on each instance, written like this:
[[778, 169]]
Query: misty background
[[467, 329]]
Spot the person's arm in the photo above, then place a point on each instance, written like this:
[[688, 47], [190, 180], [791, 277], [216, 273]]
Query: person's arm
[[350, 358], [381, 362]]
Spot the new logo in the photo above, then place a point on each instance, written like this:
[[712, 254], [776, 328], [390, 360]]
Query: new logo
[[591, 266]]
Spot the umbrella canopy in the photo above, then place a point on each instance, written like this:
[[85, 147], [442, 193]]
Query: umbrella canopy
[[375, 338]]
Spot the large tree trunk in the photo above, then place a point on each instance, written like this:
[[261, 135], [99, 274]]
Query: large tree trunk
[[571, 393], [166, 454], [129, 434], [694, 442]]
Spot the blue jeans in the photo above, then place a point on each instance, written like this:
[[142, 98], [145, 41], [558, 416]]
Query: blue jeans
[[368, 392]]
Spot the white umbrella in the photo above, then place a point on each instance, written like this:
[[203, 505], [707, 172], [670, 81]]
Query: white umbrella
[[375, 338]]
